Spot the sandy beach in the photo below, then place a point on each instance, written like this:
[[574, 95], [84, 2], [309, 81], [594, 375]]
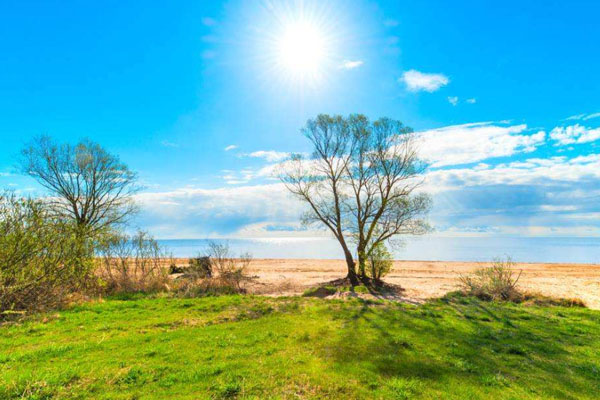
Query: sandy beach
[[426, 279]]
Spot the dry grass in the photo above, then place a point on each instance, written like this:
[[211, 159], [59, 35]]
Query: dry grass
[[132, 264], [538, 299]]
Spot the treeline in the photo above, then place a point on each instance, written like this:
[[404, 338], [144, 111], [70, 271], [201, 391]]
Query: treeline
[[72, 243]]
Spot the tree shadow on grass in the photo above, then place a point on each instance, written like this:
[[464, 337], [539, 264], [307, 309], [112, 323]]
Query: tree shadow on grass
[[482, 342], [369, 289], [366, 339]]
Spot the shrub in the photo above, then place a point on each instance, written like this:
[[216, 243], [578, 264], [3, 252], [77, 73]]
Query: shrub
[[43, 259], [132, 264], [231, 271], [215, 273], [498, 282], [379, 262], [199, 267]]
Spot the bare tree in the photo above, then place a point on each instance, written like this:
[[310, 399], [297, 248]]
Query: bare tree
[[359, 182], [87, 184]]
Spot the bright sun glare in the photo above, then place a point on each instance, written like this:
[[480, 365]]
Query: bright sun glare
[[301, 49], [298, 44]]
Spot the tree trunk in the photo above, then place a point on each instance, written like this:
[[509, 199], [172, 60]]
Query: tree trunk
[[351, 269], [362, 261]]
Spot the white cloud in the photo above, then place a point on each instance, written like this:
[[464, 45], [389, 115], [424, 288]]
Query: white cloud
[[557, 208], [536, 196], [584, 117], [471, 100], [531, 196], [238, 178], [351, 64], [469, 143], [453, 100], [269, 155], [533, 171], [268, 172], [196, 212], [590, 116], [574, 134], [575, 117], [417, 81], [166, 143]]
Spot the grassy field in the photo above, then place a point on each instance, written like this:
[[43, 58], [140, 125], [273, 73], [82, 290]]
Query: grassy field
[[259, 347]]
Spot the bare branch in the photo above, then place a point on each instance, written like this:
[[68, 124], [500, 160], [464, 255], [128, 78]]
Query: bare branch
[[87, 184], [360, 181]]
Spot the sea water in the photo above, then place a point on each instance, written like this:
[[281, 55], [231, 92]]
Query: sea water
[[425, 248]]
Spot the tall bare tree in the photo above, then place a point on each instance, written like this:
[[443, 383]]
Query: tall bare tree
[[86, 183], [359, 183]]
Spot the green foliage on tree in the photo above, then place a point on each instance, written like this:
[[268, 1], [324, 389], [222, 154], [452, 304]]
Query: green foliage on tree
[[379, 263]]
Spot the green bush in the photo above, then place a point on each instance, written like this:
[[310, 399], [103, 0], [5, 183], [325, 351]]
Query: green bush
[[498, 282], [43, 259], [380, 262]]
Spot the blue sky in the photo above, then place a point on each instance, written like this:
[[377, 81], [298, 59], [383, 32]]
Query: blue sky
[[503, 95]]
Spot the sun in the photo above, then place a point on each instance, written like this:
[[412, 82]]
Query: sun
[[297, 45], [301, 49]]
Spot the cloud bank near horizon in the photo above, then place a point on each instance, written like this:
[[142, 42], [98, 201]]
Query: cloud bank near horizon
[[486, 178]]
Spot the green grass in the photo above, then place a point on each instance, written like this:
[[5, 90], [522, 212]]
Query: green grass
[[258, 347], [327, 290]]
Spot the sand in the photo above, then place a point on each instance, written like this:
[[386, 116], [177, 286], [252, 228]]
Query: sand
[[427, 279]]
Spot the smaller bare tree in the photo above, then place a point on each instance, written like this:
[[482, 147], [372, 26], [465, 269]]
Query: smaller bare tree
[[87, 184], [131, 263], [230, 270]]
